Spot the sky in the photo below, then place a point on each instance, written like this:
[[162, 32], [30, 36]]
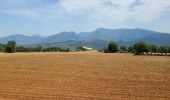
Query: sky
[[46, 17]]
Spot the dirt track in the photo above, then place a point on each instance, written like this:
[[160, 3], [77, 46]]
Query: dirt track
[[83, 75]]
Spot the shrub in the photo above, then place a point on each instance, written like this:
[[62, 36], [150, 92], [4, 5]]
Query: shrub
[[21, 49], [153, 48], [55, 49], [169, 49], [124, 49], [163, 49], [10, 47], [105, 50], [2, 47], [80, 48], [100, 50], [113, 47], [131, 49]]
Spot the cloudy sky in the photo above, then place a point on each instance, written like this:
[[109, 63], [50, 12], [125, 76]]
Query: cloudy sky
[[46, 17]]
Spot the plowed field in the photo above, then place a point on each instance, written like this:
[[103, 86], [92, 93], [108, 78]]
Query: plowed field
[[83, 75]]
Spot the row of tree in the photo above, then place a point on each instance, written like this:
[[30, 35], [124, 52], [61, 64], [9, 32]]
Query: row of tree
[[137, 49], [11, 47]]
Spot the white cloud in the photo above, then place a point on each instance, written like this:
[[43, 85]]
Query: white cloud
[[151, 10], [117, 10], [97, 8], [99, 12]]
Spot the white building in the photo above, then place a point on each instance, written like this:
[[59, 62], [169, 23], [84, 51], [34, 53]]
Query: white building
[[88, 49]]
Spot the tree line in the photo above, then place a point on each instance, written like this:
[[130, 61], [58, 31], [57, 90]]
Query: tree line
[[12, 47], [138, 48]]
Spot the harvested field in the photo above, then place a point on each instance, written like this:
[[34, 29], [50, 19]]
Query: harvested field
[[83, 75]]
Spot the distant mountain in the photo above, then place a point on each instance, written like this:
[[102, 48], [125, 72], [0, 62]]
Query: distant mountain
[[96, 39], [116, 34], [159, 39], [61, 37], [101, 34], [22, 39]]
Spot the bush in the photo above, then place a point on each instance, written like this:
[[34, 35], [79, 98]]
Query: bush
[[140, 48], [153, 48], [105, 50], [40, 49], [80, 48], [28, 49], [10, 47], [124, 49], [2, 47], [169, 49], [55, 49], [163, 49], [113, 47], [21, 49], [130, 49], [100, 50]]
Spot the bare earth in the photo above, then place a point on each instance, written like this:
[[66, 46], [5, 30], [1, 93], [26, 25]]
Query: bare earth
[[83, 75]]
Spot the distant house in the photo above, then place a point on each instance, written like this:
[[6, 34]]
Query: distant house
[[87, 49]]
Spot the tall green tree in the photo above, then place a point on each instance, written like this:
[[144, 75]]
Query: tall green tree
[[141, 47], [10, 47], [163, 49], [153, 48], [113, 47]]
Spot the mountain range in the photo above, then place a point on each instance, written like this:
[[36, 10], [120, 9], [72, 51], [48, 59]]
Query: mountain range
[[95, 39]]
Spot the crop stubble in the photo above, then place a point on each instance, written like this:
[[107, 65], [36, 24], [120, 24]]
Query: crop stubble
[[83, 75]]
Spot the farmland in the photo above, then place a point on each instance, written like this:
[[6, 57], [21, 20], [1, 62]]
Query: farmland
[[83, 75]]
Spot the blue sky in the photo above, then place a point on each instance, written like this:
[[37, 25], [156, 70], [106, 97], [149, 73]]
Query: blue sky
[[45, 17]]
